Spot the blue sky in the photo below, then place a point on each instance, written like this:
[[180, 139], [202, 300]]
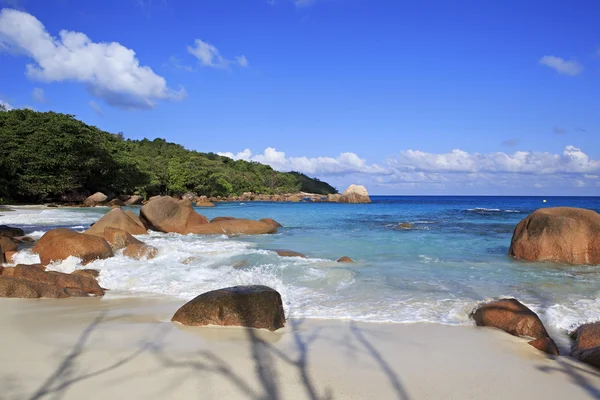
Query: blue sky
[[406, 97]]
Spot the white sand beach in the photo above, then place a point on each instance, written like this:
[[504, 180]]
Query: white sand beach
[[127, 348]]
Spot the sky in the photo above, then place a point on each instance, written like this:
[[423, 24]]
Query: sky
[[467, 97]]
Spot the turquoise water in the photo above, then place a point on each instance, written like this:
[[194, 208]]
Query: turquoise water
[[454, 257]]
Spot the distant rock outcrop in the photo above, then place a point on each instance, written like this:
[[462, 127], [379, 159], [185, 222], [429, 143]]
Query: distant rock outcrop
[[355, 194], [559, 234], [95, 199], [249, 306], [345, 259]]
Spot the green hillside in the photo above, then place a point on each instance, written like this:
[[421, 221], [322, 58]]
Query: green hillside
[[46, 154]]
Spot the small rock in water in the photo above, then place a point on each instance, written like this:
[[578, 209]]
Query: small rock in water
[[345, 259], [405, 225], [248, 306]]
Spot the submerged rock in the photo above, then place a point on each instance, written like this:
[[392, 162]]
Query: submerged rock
[[515, 318], [10, 231], [355, 194], [165, 214], [140, 251], [134, 248], [134, 200], [559, 234], [288, 253], [59, 244], [405, 225], [248, 306], [586, 344], [117, 219]]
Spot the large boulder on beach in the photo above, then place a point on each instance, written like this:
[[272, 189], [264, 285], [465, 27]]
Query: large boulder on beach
[[95, 199], [515, 318], [559, 234], [586, 343], [53, 278], [249, 306], [355, 194], [165, 214], [59, 244], [117, 219], [511, 316], [10, 231], [217, 219], [234, 227], [20, 288]]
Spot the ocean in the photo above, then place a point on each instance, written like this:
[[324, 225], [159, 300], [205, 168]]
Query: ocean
[[453, 258]]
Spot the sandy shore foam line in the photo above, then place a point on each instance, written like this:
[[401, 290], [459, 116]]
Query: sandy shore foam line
[[127, 348]]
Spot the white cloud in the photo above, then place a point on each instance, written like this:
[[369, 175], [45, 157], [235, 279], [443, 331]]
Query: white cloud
[[562, 66], [209, 56], [109, 70], [6, 105], [345, 163], [579, 183], [457, 171], [572, 160], [39, 95], [242, 61], [96, 107]]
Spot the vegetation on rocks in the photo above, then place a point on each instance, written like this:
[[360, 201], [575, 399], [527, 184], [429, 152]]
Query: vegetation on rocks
[[45, 155]]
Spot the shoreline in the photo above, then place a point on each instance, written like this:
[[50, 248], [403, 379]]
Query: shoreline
[[128, 347]]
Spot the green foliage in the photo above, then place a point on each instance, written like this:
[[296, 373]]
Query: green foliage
[[46, 154]]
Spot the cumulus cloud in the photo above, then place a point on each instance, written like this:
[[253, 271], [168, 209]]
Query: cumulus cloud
[[572, 160], [345, 163], [571, 68], [456, 171], [96, 107], [110, 71], [209, 56], [39, 95]]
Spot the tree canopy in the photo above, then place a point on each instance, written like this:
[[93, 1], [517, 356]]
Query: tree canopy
[[46, 154]]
